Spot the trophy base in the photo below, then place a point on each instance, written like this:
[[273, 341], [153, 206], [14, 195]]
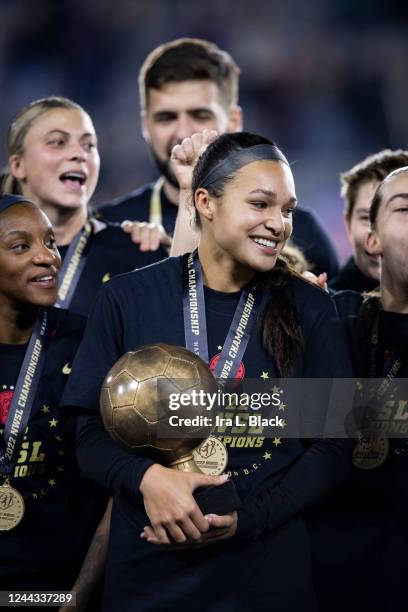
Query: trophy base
[[185, 464], [221, 499]]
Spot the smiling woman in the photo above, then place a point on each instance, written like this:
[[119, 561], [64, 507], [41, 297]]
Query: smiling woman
[[48, 514], [24, 276], [54, 161], [238, 306], [362, 545], [389, 238]]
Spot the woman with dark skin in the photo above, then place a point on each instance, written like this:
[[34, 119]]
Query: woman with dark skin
[[48, 514]]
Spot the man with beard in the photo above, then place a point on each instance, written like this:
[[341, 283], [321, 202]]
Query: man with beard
[[186, 86]]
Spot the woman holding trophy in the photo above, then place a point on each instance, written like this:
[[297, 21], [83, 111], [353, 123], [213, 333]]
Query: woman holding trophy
[[164, 552]]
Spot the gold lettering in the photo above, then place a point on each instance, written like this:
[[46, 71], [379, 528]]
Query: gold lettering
[[243, 427], [22, 457], [35, 456], [386, 412], [401, 414]]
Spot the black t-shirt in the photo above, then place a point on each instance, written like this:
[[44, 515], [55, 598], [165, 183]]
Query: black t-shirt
[[45, 551], [110, 251], [135, 206], [360, 534], [351, 278], [273, 478], [308, 234]]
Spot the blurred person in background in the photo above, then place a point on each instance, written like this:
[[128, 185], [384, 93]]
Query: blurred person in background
[[358, 185], [186, 86], [54, 161]]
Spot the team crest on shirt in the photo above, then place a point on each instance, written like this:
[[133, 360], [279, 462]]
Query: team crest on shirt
[[240, 374]]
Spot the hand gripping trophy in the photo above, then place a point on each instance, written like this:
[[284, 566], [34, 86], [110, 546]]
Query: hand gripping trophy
[[135, 409]]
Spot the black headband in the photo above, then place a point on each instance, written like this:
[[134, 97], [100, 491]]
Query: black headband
[[8, 199], [238, 159]]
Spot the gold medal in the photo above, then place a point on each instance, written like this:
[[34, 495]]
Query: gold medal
[[211, 456], [11, 507], [370, 453]]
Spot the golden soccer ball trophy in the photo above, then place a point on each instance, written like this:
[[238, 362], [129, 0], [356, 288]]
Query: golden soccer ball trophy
[[135, 409]]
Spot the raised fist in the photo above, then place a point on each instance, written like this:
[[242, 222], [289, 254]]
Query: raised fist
[[184, 156]]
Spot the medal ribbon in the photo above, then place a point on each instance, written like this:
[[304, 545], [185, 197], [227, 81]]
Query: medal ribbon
[[155, 212], [392, 371], [24, 394], [195, 327], [379, 394], [72, 267]]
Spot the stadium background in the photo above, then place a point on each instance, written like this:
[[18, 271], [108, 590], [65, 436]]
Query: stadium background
[[326, 80]]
